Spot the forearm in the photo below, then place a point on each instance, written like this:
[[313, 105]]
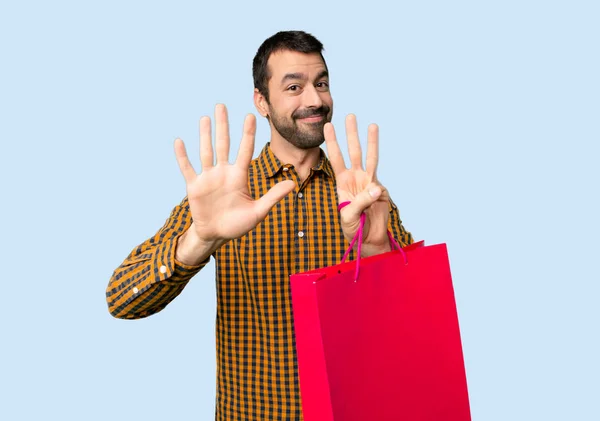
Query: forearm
[[143, 285], [152, 276]]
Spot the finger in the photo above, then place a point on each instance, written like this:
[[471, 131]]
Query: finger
[[363, 200], [247, 144], [372, 150], [333, 149], [206, 150], [184, 163], [272, 197], [354, 149], [222, 134]]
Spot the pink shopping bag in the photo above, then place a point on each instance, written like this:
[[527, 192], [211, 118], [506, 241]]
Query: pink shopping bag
[[379, 339]]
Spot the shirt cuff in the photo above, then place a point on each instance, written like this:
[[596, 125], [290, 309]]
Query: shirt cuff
[[166, 268]]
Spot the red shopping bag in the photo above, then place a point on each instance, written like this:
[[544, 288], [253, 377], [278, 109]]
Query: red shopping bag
[[378, 339]]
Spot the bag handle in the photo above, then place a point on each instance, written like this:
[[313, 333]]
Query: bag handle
[[358, 237]]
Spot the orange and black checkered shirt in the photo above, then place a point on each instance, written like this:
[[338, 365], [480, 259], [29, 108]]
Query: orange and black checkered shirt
[[257, 372]]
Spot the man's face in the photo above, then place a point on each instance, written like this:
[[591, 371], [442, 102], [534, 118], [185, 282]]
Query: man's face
[[299, 99]]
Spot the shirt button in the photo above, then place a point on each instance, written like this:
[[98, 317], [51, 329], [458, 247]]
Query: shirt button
[[285, 168], [163, 269], [300, 234], [135, 290], [300, 195]]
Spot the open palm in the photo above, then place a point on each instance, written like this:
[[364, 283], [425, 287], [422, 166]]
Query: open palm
[[220, 204]]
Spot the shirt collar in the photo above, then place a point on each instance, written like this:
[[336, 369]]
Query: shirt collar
[[271, 165]]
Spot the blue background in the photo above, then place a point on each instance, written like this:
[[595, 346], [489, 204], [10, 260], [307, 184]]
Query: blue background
[[489, 121]]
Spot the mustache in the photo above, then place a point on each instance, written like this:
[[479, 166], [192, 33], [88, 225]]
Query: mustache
[[312, 112]]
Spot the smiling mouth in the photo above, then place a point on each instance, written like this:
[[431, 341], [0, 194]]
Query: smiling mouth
[[312, 119]]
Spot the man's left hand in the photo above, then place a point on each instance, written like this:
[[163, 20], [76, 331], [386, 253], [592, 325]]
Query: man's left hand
[[360, 187]]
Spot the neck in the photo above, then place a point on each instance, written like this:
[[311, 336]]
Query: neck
[[302, 159]]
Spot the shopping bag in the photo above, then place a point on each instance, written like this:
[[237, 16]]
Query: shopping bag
[[378, 338]]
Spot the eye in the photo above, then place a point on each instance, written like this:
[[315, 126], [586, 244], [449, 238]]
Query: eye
[[293, 88], [323, 85]]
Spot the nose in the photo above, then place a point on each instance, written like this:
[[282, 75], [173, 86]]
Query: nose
[[312, 97]]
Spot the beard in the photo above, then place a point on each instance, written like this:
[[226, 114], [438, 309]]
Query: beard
[[302, 135]]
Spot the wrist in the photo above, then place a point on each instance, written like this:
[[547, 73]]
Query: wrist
[[192, 250], [368, 250]]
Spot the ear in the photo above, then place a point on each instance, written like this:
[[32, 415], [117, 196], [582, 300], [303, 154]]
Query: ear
[[261, 104]]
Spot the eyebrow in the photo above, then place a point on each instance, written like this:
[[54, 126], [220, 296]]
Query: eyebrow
[[302, 76]]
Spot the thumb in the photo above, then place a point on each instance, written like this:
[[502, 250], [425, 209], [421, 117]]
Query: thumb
[[273, 196], [363, 200]]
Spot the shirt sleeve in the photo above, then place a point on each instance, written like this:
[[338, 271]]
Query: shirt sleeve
[[402, 236], [150, 277]]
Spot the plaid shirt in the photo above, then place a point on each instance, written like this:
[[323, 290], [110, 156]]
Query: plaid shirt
[[257, 372]]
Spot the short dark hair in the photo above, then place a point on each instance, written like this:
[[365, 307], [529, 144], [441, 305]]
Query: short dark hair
[[299, 41]]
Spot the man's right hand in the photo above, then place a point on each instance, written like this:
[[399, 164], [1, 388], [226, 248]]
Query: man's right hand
[[220, 204]]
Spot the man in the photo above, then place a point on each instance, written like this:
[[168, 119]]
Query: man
[[263, 220]]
